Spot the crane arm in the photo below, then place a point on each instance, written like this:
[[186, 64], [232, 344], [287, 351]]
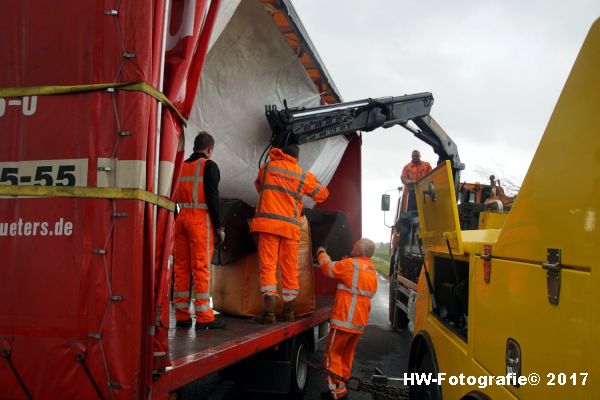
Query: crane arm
[[304, 125]]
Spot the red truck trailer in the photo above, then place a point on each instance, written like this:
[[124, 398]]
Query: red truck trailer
[[94, 99]]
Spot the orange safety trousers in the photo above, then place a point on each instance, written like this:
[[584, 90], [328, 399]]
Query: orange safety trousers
[[194, 243], [338, 358], [271, 249]]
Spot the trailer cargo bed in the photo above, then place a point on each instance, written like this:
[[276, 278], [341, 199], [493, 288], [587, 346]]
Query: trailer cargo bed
[[197, 353]]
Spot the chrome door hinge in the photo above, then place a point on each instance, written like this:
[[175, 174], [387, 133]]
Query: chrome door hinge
[[553, 267]]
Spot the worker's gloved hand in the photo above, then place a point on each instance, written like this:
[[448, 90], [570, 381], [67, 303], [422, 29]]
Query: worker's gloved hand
[[321, 249], [220, 235]]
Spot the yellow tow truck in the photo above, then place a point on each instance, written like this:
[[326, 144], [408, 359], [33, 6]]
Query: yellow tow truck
[[514, 312]]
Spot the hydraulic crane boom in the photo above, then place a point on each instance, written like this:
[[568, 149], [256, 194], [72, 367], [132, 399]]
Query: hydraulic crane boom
[[304, 125]]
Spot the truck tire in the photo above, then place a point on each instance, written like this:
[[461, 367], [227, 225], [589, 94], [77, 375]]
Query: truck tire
[[430, 392], [299, 378], [425, 362], [475, 396]]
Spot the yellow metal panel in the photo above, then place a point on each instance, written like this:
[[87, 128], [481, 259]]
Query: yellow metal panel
[[452, 353], [559, 207], [559, 202], [553, 339], [480, 236], [492, 219], [438, 214], [453, 360], [473, 241]]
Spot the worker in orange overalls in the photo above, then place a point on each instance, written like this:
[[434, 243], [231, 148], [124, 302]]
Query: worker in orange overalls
[[281, 183], [415, 169], [196, 227], [357, 284], [412, 172]]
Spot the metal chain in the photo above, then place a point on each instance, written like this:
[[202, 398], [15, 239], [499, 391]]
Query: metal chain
[[360, 385]]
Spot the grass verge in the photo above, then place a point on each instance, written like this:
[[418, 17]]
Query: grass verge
[[382, 266]]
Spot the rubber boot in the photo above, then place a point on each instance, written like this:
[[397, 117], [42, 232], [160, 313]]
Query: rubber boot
[[268, 316], [186, 323], [217, 323], [288, 314], [328, 396]]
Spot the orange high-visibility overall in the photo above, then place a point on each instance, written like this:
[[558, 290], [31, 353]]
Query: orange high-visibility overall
[[194, 243], [281, 183], [357, 284], [412, 171]]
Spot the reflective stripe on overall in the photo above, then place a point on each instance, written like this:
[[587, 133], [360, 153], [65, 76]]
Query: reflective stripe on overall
[[294, 218], [355, 292], [274, 248], [338, 359]]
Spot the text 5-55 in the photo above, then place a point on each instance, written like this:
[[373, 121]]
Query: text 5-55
[[45, 175], [44, 172]]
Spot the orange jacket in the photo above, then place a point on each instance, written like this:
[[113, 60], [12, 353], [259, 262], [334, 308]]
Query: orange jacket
[[281, 183], [190, 192], [412, 172], [357, 285]]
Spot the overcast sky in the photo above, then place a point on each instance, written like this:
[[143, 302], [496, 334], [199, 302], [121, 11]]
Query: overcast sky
[[495, 68]]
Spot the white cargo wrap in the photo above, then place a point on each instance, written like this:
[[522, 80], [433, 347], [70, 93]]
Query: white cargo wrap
[[248, 66]]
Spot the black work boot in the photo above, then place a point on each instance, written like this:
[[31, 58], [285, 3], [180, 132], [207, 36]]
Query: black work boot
[[217, 323], [288, 314], [268, 315], [186, 323], [328, 396]]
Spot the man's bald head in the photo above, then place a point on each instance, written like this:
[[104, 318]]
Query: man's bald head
[[415, 156], [363, 248]]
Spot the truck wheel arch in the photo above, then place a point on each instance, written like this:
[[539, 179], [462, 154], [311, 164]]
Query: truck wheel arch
[[422, 349], [475, 395], [421, 343]]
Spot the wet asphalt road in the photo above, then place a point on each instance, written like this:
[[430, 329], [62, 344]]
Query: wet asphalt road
[[379, 347]]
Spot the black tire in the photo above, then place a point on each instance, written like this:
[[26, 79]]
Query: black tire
[[425, 364], [299, 378], [475, 395]]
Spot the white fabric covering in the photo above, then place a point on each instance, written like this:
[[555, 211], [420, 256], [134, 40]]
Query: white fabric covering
[[250, 65]]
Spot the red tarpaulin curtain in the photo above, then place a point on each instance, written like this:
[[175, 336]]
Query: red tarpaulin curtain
[[185, 56], [81, 278]]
